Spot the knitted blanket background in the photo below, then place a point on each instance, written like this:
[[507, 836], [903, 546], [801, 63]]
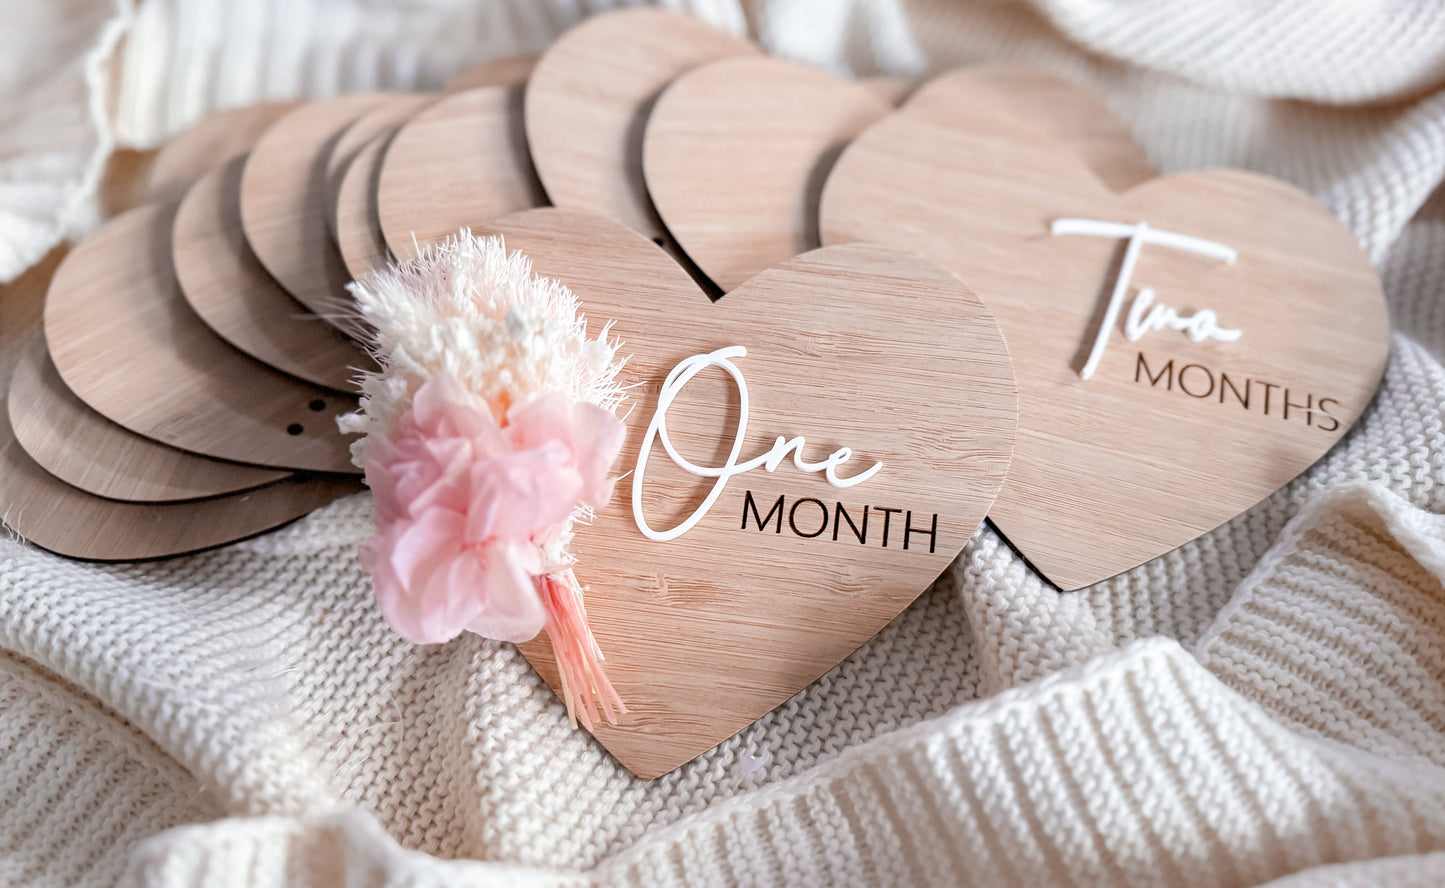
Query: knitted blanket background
[[1265, 704]]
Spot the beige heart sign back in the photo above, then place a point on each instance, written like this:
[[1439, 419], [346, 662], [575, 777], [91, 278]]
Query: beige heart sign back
[[358, 228], [284, 204], [207, 144], [461, 163], [891, 90], [229, 290], [66, 520], [510, 70], [736, 151], [589, 97], [383, 119], [1183, 349], [127, 344], [1069, 113], [86, 450], [781, 575]]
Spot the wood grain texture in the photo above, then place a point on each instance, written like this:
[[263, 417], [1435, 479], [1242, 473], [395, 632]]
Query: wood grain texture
[[510, 70], [385, 118], [88, 451], [125, 183], [1069, 113], [892, 90], [357, 225], [22, 305], [736, 151], [735, 154], [283, 200], [462, 163], [208, 144], [226, 286], [588, 99], [708, 632], [1119, 469], [68, 521], [127, 344]]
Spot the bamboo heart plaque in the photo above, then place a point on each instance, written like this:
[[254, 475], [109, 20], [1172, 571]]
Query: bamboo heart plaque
[[805, 456], [1183, 348], [736, 151]]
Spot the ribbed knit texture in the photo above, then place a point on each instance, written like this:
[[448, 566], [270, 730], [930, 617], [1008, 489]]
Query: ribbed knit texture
[[1265, 703]]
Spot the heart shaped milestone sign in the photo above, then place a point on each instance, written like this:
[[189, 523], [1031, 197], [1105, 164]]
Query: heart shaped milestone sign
[[833, 433], [1183, 348], [736, 151]]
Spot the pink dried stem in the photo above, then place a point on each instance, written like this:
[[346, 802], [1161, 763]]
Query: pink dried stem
[[586, 690]]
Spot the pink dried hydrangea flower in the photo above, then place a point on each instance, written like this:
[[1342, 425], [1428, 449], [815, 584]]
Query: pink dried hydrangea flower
[[489, 430]]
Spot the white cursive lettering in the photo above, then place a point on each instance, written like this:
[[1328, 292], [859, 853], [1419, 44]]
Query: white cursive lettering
[[1142, 318], [657, 431]]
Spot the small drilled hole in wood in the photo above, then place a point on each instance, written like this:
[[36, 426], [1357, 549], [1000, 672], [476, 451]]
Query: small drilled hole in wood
[[295, 428], [317, 405]]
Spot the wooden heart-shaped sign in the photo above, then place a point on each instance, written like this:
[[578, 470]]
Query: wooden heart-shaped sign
[[460, 163], [87, 451], [1183, 349], [226, 286], [358, 230], [383, 119], [716, 598], [736, 151], [284, 204], [588, 99], [127, 344], [510, 70], [68, 521], [207, 144]]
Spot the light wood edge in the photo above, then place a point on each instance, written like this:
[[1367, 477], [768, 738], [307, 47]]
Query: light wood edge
[[690, 186], [470, 188], [1054, 107], [633, 35], [244, 405], [283, 202], [61, 519], [89, 452], [224, 284], [358, 228], [512, 70], [394, 111], [207, 144]]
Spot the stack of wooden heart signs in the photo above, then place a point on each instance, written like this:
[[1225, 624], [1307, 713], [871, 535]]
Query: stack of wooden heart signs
[[858, 317]]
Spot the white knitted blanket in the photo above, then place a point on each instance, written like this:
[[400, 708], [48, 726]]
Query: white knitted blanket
[[1266, 704]]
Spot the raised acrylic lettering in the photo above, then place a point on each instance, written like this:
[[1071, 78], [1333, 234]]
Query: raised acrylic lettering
[[1144, 315], [770, 460]]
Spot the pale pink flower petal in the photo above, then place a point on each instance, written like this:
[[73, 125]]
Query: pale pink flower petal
[[443, 407], [596, 441], [514, 610], [544, 418], [382, 475], [403, 559], [592, 435], [430, 472], [463, 507], [514, 495]]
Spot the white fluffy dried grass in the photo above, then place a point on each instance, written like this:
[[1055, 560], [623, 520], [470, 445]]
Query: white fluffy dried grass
[[468, 307]]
